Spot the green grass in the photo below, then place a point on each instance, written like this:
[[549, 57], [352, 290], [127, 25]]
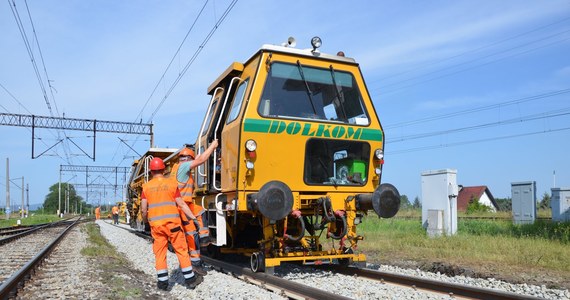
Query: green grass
[[31, 220], [495, 244], [111, 264]]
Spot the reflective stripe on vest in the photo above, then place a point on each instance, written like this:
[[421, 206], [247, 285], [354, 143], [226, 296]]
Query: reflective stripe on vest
[[162, 217], [162, 209], [186, 188], [162, 204]]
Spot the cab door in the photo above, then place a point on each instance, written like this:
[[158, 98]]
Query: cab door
[[201, 176]]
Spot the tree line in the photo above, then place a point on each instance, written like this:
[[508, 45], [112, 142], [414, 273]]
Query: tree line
[[76, 202]]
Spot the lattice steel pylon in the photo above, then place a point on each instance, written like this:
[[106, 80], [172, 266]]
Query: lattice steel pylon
[[75, 124], [94, 169]]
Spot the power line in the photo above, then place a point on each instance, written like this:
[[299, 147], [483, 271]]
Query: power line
[[533, 117], [475, 141], [188, 64], [170, 63], [30, 52], [478, 109], [415, 69], [42, 57], [200, 48], [25, 108], [468, 68], [15, 99], [29, 48]]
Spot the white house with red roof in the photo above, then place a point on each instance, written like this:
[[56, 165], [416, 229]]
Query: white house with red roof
[[467, 193]]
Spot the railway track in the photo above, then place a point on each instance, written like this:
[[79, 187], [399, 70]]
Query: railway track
[[8, 231], [428, 285], [21, 253], [283, 287], [294, 290]]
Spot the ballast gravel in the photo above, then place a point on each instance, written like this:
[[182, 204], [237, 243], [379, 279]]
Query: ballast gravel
[[218, 285]]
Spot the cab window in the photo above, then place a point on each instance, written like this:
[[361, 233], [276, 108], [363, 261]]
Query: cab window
[[299, 91], [238, 100]]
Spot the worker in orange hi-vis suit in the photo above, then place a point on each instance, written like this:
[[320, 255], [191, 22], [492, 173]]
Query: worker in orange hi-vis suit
[[160, 200], [98, 213], [197, 233], [115, 211]]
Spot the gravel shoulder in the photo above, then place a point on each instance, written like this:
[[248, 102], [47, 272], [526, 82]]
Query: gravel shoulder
[[550, 279], [217, 285]]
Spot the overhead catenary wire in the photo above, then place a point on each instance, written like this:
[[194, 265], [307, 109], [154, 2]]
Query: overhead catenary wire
[[478, 109], [416, 68], [30, 52], [26, 109], [193, 58], [42, 58], [186, 67], [466, 69], [37, 72], [475, 141], [533, 117], [171, 60]]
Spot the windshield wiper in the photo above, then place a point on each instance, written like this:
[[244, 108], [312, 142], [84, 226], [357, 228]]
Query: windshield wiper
[[309, 93], [341, 103]]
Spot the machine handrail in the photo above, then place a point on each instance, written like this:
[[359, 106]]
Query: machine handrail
[[216, 133], [204, 124]]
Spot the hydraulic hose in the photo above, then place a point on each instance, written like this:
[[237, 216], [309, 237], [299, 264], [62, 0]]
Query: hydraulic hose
[[344, 227], [297, 215]]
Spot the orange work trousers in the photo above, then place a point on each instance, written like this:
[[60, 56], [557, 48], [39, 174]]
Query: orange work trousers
[[192, 238], [203, 231], [161, 235]]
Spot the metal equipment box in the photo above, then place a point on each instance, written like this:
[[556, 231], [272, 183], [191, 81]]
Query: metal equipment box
[[435, 222], [523, 195], [560, 203], [439, 192]]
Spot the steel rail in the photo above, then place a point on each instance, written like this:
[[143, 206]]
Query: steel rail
[[11, 284], [290, 289], [454, 289], [21, 234]]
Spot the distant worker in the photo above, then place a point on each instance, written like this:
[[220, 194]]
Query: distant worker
[[197, 233], [115, 211], [160, 200], [98, 213]]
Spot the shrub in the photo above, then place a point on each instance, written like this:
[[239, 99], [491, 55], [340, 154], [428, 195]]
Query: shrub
[[475, 206]]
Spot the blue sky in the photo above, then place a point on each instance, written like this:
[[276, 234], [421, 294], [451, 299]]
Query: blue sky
[[477, 86]]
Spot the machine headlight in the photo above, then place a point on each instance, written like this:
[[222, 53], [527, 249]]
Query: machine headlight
[[316, 42], [249, 165], [250, 145], [379, 153], [378, 171]]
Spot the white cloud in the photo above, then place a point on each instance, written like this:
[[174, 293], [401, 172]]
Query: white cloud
[[458, 27]]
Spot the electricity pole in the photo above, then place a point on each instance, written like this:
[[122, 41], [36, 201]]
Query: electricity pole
[[7, 188]]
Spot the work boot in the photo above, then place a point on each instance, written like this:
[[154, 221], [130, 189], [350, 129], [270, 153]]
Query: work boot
[[191, 283], [198, 268], [162, 285]]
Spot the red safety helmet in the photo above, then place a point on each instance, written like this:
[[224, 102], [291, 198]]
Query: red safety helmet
[[156, 164], [187, 152]]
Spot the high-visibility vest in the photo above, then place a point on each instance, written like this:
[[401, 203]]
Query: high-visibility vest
[[160, 193], [186, 188], [115, 210]]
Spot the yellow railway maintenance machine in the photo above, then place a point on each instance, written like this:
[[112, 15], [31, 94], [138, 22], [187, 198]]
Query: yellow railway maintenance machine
[[299, 160], [140, 174]]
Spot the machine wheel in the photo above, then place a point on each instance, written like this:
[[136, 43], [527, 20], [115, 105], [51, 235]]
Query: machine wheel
[[257, 262]]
